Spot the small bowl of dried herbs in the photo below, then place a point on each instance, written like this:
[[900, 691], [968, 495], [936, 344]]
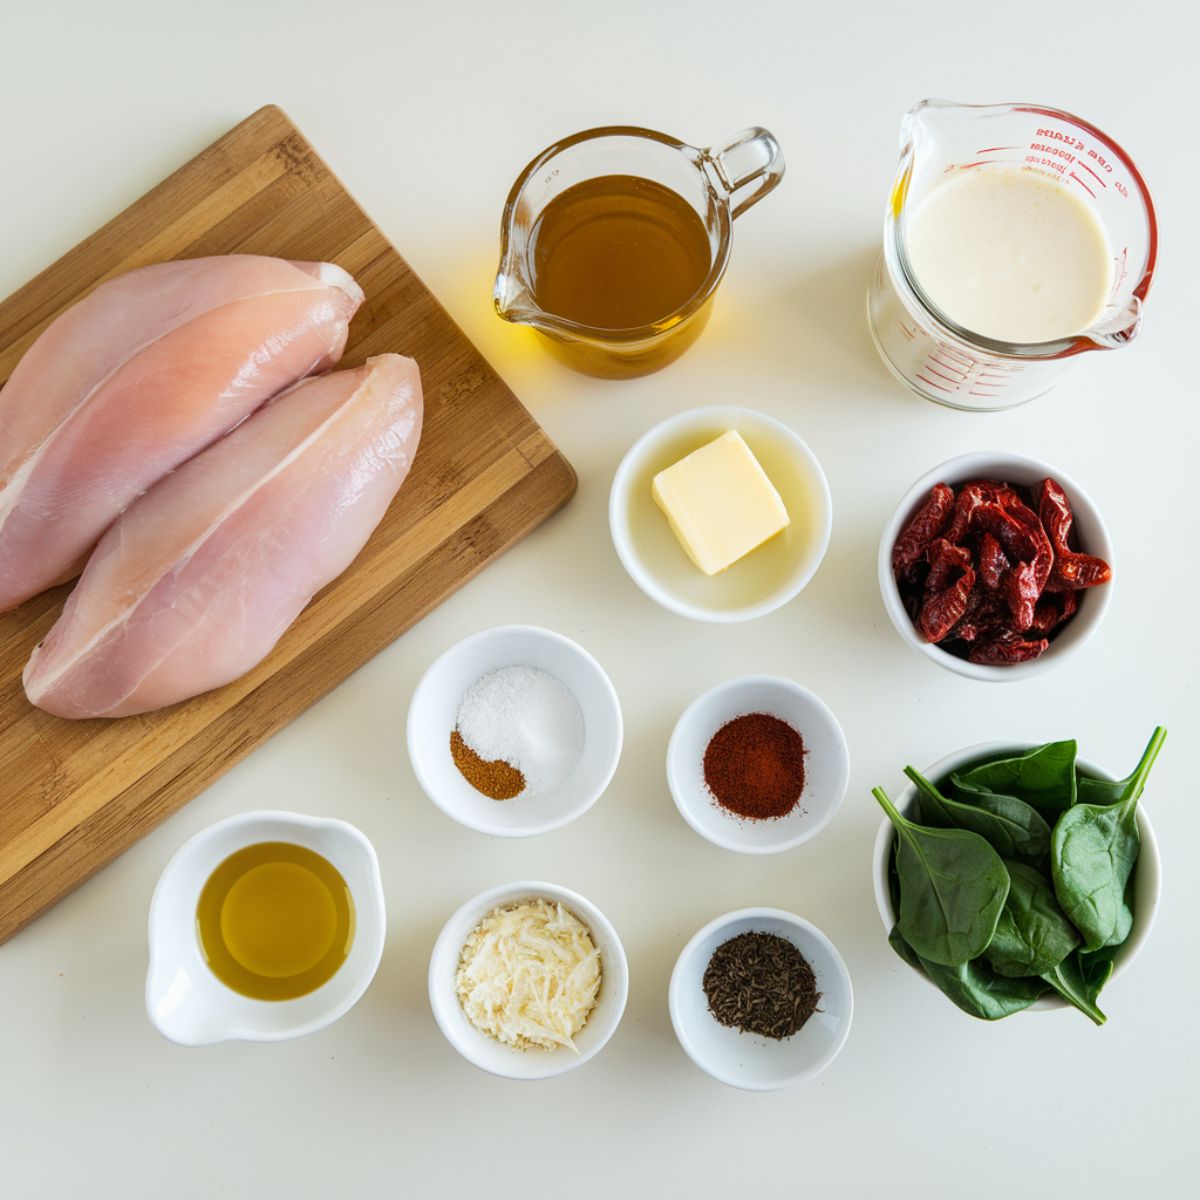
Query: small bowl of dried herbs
[[760, 999]]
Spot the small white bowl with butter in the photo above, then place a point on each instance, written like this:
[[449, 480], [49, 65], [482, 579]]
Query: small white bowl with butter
[[654, 554]]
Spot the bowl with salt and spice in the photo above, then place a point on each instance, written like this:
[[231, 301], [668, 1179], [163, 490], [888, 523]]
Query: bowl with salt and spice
[[514, 731], [758, 764], [760, 999]]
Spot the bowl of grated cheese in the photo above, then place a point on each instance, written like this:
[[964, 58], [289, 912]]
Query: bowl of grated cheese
[[528, 980]]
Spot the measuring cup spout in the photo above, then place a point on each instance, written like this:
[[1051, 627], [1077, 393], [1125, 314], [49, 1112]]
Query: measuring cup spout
[[178, 1011], [512, 299]]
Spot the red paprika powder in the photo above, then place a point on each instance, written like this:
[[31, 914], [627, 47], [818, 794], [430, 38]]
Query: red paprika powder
[[754, 766]]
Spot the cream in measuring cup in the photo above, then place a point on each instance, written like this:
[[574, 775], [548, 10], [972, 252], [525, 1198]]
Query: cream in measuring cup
[[1016, 237], [1011, 255]]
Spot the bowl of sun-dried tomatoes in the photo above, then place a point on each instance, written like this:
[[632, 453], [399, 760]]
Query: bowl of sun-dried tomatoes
[[996, 566]]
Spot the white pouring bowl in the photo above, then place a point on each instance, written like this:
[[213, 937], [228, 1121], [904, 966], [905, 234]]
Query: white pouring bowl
[[507, 1061], [1022, 470], [187, 1003], [826, 763], [767, 577], [433, 712], [1147, 881], [747, 1060]]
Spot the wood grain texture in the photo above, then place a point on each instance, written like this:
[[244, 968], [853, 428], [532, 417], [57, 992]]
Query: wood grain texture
[[74, 794]]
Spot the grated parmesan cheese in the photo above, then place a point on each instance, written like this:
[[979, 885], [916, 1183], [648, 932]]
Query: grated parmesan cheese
[[529, 975]]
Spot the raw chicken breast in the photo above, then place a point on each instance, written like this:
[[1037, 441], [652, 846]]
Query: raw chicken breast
[[137, 377], [196, 581]]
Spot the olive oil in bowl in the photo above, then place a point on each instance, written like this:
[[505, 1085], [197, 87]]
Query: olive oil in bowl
[[275, 921]]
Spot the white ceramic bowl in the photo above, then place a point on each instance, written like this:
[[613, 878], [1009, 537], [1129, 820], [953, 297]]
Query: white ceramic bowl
[[187, 1003], [434, 710], [826, 763], [487, 1053], [746, 1060], [1147, 881], [1010, 468], [765, 579]]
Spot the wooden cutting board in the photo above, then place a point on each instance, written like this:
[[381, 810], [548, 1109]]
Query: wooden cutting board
[[74, 794]]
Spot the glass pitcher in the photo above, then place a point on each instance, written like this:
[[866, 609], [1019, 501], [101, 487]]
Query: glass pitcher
[[719, 183], [923, 347]]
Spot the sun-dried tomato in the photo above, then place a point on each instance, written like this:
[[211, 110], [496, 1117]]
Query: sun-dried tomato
[[993, 562], [1005, 647], [981, 491], [1042, 559], [986, 612], [1021, 592], [1054, 508], [1052, 610], [945, 559], [925, 525], [942, 610], [1072, 570], [1013, 534]]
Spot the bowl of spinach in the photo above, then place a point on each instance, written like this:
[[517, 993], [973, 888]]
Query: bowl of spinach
[[1015, 876]]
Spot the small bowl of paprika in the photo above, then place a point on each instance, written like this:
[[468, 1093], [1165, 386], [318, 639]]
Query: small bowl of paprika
[[943, 515], [758, 764]]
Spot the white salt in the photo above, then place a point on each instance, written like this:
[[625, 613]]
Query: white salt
[[529, 719]]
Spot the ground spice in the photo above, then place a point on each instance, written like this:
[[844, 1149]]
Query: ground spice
[[493, 777], [754, 766], [760, 983]]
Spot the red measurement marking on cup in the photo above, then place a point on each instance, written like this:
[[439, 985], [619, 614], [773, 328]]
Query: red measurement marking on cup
[[947, 378], [931, 383], [993, 149], [908, 333], [961, 372], [1121, 270], [957, 354], [1080, 163], [1082, 184]]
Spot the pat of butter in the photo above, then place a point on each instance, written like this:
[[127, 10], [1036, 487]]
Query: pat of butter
[[720, 503]]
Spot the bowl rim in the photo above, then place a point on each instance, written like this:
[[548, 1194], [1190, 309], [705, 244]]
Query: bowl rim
[[758, 913], [958, 470], [374, 897], [685, 806], [618, 508], [464, 645], [885, 835], [441, 988]]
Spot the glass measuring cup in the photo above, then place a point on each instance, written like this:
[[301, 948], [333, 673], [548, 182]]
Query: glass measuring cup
[[923, 347], [719, 183]]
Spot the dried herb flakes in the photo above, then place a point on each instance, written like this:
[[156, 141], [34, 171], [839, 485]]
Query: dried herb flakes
[[760, 983]]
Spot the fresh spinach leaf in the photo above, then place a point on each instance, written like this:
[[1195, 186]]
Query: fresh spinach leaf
[[1110, 791], [1043, 777], [1093, 851], [1013, 828], [952, 888], [1096, 966], [1032, 936], [1069, 981], [973, 986]]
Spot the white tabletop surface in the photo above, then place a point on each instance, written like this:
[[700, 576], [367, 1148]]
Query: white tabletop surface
[[427, 112]]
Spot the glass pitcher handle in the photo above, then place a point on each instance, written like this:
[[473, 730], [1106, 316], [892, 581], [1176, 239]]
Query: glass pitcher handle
[[749, 164]]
